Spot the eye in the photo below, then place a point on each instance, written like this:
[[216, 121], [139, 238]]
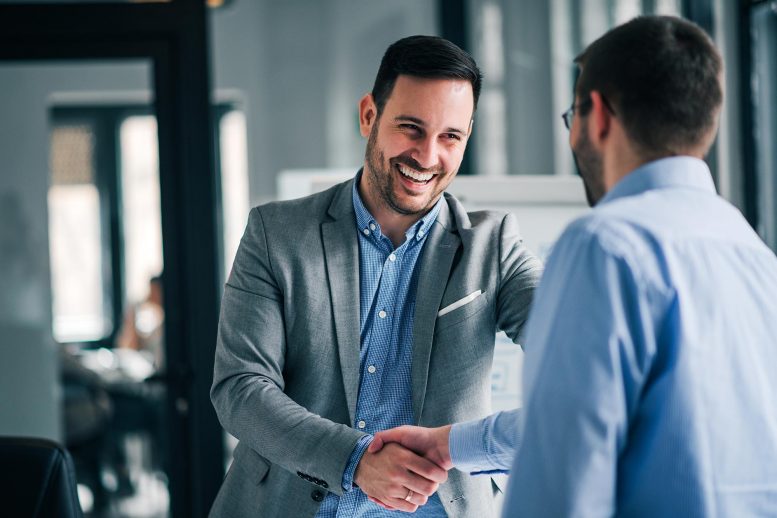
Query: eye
[[410, 127], [451, 136]]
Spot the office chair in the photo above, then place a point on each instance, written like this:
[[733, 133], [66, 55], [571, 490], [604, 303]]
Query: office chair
[[37, 480]]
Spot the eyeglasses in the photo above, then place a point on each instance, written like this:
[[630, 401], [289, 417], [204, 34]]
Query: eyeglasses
[[570, 113]]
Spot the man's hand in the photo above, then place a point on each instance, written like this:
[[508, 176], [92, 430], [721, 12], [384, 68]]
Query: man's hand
[[397, 478], [432, 443]]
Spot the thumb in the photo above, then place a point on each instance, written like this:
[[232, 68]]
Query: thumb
[[386, 436], [377, 444]]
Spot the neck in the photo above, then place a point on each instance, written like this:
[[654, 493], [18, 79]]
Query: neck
[[620, 158], [395, 226]]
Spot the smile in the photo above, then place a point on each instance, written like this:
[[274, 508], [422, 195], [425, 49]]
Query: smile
[[414, 175]]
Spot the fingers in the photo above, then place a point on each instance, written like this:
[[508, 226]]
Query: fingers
[[391, 435], [425, 468], [421, 488], [415, 498], [378, 502], [400, 504], [410, 503]]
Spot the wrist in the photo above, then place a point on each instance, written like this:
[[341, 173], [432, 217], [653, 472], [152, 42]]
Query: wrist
[[443, 442], [351, 473]]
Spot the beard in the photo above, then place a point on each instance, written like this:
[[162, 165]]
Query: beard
[[589, 167], [383, 180]]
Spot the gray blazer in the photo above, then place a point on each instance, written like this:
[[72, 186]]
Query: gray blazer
[[286, 376]]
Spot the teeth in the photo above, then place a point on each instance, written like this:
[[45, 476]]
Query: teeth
[[420, 177]]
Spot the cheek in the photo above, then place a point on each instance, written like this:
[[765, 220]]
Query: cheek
[[394, 147], [451, 160], [573, 141]]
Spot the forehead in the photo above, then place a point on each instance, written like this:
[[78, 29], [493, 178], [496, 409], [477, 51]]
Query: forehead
[[446, 101]]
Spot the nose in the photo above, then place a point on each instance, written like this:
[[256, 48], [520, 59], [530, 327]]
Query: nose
[[426, 152]]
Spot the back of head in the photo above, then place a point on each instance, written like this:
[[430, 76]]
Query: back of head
[[662, 76], [428, 57]]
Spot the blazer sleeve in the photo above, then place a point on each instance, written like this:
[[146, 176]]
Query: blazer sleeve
[[248, 385], [519, 276]]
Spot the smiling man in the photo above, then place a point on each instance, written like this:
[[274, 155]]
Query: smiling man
[[371, 305]]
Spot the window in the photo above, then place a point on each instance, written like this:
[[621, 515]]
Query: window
[[140, 202], [526, 51], [80, 285], [104, 203], [233, 163]]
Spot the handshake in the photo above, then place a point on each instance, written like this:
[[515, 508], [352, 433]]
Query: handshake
[[404, 466]]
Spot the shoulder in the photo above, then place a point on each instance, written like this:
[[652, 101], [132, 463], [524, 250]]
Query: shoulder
[[310, 210], [481, 221], [311, 206], [605, 237], [611, 232]]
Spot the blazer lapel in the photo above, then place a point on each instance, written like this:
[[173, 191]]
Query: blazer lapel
[[341, 253], [436, 261]]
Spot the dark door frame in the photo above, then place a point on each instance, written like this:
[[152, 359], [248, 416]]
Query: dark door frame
[[173, 36]]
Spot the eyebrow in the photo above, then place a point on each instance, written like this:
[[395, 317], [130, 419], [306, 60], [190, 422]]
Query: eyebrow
[[416, 120]]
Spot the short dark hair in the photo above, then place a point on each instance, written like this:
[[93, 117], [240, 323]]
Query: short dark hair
[[427, 57], [662, 76]]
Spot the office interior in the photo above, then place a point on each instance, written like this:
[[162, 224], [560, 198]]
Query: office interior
[[136, 135]]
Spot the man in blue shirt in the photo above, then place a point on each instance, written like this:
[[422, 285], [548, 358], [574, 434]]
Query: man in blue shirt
[[650, 373], [367, 306]]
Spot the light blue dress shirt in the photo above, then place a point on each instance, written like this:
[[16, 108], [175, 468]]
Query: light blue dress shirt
[[650, 374], [388, 279]]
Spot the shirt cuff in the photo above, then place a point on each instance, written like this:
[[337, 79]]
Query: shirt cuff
[[486, 445], [353, 461]]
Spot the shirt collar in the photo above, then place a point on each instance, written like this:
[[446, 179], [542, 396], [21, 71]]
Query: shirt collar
[[680, 171], [367, 225]]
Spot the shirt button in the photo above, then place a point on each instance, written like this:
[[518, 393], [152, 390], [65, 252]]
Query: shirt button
[[392, 258], [382, 314], [361, 425], [371, 369], [372, 226], [366, 231], [420, 233]]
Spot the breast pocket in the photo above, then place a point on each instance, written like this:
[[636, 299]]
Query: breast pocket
[[460, 310]]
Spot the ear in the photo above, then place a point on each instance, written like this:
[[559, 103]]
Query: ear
[[471, 127], [368, 115], [600, 119]]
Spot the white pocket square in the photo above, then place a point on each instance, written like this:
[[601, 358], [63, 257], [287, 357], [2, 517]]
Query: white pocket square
[[461, 302]]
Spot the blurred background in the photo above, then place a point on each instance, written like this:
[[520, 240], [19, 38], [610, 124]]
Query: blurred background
[[135, 137]]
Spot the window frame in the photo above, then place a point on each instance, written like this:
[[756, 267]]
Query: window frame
[[106, 121]]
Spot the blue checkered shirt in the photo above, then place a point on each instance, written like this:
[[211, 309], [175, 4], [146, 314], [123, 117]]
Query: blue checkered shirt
[[388, 279]]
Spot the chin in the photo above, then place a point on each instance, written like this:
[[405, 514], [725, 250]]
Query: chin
[[408, 207]]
